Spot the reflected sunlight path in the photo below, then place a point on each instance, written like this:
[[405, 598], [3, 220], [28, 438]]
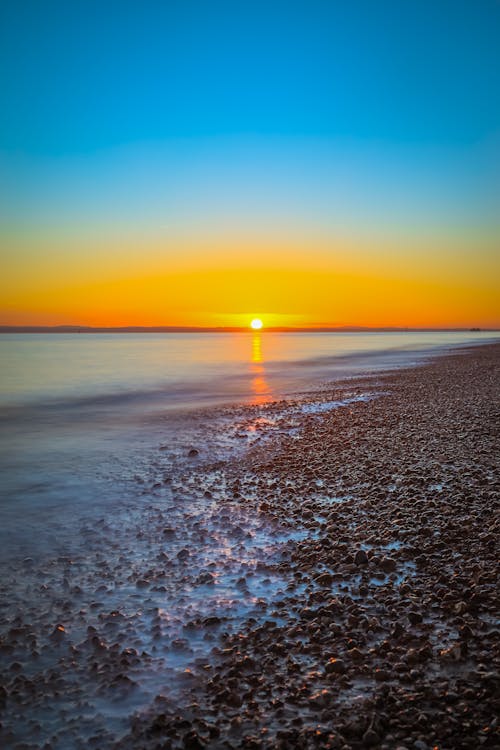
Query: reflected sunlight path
[[260, 387]]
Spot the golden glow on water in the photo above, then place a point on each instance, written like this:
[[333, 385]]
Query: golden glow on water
[[256, 348], [260, 387]]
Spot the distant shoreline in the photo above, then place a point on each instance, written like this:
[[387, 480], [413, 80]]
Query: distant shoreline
[[234, 329]]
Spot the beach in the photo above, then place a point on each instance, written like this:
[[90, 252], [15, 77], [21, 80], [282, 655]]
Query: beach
[[330, 583], [249, 375]]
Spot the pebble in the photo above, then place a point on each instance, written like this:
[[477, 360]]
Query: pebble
[[387, 564], [361, 558], [335, 666]]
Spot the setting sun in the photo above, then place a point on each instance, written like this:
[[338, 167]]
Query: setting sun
[[256, 324]]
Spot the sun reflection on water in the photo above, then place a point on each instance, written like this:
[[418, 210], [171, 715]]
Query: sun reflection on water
[[259, 385]]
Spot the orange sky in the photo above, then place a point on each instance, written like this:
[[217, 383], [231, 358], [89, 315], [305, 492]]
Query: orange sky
[[286, 284]]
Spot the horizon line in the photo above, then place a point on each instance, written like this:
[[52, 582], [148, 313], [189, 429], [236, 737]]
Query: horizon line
[[236, 329]]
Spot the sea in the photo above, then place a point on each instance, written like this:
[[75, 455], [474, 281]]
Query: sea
[[106, 511]]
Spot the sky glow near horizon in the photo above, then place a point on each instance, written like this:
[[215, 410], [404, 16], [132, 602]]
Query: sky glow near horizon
[[191, 163]]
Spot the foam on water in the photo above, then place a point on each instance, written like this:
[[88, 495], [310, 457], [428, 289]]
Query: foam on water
[[320, 407], [153, 585]]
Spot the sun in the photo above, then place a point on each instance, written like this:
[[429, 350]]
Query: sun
[[256, 324]]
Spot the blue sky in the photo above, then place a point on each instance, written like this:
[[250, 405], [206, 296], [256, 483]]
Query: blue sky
[[82, 76]]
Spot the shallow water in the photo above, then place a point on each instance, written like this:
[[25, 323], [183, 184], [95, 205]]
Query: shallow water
[[138, 585]]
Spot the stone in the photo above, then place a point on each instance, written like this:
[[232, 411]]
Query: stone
[[335, 666], [388, 565], [205, 578], [192, 741], [370, 738], [361, 558], [324, 579]]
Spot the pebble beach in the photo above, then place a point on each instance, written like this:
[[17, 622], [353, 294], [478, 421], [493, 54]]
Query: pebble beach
[[331, 584]]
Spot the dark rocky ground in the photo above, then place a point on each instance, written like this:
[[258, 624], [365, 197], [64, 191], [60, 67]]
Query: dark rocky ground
[[385, 635]]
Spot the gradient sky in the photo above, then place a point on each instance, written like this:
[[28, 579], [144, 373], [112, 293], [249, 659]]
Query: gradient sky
[[200, 163]]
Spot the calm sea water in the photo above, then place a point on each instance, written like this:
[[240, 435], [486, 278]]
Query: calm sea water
[[186, 369]]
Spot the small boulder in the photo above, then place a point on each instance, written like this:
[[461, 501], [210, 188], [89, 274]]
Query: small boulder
[[324, 579], [335, 666], [361, 558], [370, 738], [388, 565], [414, 617], [205, 578]]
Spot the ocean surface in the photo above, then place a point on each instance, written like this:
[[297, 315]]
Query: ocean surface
[[185, 370], [111, 527]]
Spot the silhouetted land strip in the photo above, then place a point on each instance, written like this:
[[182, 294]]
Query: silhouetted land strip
[[221, 329]]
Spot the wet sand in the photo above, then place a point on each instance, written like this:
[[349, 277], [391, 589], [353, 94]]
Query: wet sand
[[340, 580]]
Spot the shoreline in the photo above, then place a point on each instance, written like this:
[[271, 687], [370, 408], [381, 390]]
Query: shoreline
[[386, 637], [364, 616]]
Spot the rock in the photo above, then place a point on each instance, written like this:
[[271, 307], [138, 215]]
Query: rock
[[58, 632], [412, 656], [180, 644], [209, 622], [205, 578], [397, 630], [335, 666], [465, 632], [361, 558], [324, 579], [388, 565], [122, 681], [193, 453], [355, 654], [192, 741], [370, 738], [451, 654], [320, 699], [414, 617]]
